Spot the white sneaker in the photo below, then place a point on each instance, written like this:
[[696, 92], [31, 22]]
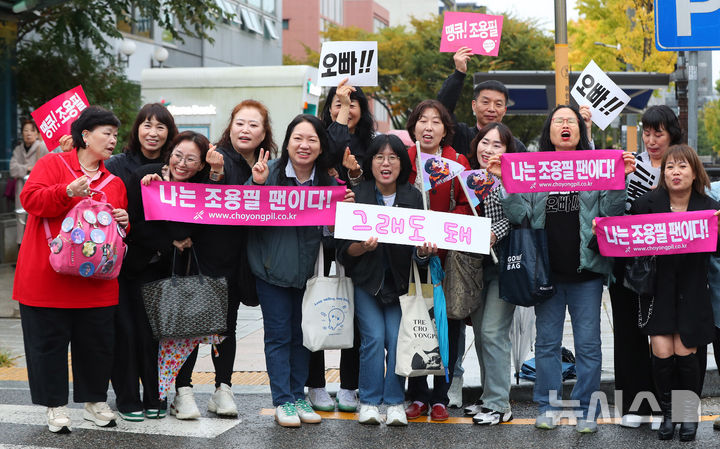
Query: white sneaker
[[347, 400], [488, 417], [99, 413], [321, 400], [656, 421], [455, 392], [474, 409], [369, 414], [184, 406], [395, 415], [58, 419], [631, 421], [222, 402], [306, 412], [286, 415]]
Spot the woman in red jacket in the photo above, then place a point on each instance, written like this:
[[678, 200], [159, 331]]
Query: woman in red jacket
[[431, 126], [56, 309]]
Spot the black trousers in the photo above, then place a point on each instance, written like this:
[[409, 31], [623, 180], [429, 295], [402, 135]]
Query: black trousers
[[418, 389], [136, 352], [633, 370], [349, 366], [225, 360], [47, 332]]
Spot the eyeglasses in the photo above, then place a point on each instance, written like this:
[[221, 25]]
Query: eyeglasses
[[560, 121], [392, 158], [189, 160]]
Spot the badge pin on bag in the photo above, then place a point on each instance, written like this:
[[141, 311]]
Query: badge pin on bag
[[328, 309]]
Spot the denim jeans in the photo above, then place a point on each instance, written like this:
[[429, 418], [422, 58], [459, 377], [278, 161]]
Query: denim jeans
[[379, 325], [285, 356], [582, 299], [491, 325]]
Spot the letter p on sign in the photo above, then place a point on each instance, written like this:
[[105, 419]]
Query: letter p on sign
[[684, 10]]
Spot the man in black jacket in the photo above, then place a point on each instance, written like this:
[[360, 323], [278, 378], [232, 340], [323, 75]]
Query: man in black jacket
[[489, 104]]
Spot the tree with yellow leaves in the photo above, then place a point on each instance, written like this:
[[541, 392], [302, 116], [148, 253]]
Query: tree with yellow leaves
[[629, 23]]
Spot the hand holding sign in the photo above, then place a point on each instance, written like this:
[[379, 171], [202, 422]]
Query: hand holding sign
[[260, 170], [479, 32], [461, 58]]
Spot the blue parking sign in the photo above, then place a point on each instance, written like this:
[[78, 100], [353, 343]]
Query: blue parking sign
[[687, 25]]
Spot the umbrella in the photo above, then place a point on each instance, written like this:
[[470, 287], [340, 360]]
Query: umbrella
[[440, 312], [172, 354], [521, 336]]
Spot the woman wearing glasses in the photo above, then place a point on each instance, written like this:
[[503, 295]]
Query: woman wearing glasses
[[577, 271]]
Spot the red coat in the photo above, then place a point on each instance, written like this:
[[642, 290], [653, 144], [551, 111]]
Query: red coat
[[44, 196], [440, 196]]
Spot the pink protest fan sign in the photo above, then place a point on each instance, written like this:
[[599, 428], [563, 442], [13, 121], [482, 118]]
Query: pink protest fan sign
[[480, 32], [54, 118], [553, 171], [241, 205], [657, 234]]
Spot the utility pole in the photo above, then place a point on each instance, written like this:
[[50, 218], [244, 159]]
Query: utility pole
[[562, 68]]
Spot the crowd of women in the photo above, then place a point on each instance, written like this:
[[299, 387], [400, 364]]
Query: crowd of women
[[105, 323]]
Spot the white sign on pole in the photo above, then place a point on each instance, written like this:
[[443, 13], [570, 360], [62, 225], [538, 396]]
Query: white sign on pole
[[354, 221], [595, 89], [356, 60]]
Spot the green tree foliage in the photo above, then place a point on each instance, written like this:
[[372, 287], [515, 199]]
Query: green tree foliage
[[65, 45], [710, 119], [630, 23], [412, 69]]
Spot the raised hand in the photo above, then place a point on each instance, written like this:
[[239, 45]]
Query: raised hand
[[461, 58], [260, 170], [214, 159], [351, 164]]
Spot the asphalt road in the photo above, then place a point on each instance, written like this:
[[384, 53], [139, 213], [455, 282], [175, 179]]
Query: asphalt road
[[23, 425]]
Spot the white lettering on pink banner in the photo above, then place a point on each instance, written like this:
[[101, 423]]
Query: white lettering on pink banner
[[658, 234], [413, 227], [241, 205], [552, 171]]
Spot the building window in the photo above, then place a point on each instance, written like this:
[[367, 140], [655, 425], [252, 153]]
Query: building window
[[286, 24], [332, 10], [378, 25], [251, 20], [270, 29], [140, 26], [268, 6]]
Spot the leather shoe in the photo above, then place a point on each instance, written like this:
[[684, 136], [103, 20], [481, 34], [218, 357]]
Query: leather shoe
[[438, 413], [415, 410]]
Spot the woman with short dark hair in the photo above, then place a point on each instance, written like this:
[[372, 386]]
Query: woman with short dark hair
[[58, 310]]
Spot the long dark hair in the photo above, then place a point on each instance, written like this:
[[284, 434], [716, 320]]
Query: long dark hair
[[545, 142], [268, 144], [365, 128], [163, 116], [377, 145], [506, 138], [322, 163]]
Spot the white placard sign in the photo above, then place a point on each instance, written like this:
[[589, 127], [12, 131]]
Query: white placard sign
[[414, 227], [356, 60], [595, 89]]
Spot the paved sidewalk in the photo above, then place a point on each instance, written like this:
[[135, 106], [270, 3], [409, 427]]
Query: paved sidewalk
[[250, 370]]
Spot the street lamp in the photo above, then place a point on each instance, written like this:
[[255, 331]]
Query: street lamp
[[160, 55], [127, 48]]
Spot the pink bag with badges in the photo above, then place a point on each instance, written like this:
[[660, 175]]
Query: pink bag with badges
[[90, 243]]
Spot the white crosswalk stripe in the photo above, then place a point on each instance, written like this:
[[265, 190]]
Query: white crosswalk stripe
[[200, 428]]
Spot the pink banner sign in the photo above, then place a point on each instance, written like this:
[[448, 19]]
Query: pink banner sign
[[658, 234], [478, 184], [54, 118], [241, 205], [553, 171], [438, 170], [479, 32]]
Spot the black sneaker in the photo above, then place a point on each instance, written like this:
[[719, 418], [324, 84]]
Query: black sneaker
[[489, 417], [474, 409]]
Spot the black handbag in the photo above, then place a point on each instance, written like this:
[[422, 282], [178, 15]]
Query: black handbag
[[640, 275], [525, 267], [186, 306]]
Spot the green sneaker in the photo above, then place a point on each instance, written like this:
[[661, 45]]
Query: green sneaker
[[132, 416], [155, 413], [347, 400], [306, 413]]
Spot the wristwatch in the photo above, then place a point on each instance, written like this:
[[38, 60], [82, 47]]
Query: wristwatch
[[69, 191], [215, 176]]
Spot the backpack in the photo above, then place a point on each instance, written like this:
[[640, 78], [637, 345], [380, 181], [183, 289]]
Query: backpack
[[90, 243]]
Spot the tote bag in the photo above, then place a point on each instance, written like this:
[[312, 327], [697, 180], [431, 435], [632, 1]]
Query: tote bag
[[418, 351], [186, 306], [525, 267], [328, 309]]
